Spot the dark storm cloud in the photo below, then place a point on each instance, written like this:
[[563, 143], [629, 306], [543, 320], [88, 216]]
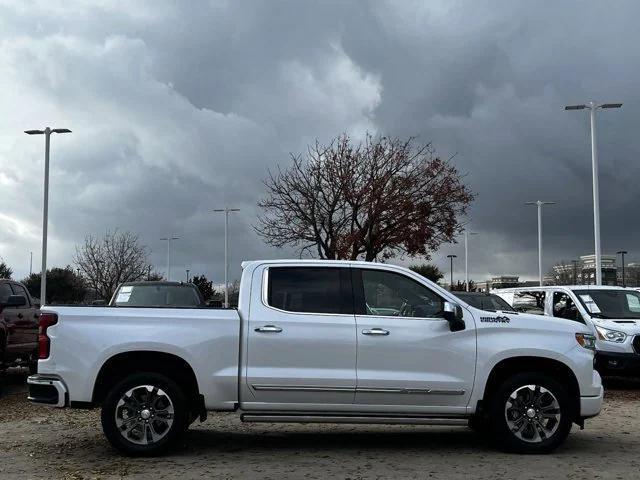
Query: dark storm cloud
[[178, 108]]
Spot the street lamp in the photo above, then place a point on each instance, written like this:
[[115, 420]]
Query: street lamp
[[168, 240], [45, 214], [226, 211], [188, 275], [592, 106], [451, 257], [539, 205], [624, 280], [466, 258]]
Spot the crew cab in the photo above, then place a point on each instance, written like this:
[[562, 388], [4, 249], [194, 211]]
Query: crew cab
[[18, 325], [321, 341], [611, 313]]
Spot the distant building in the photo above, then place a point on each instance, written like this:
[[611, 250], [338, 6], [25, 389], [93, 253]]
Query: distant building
[[583, 272], [609, 270], [505, 281]]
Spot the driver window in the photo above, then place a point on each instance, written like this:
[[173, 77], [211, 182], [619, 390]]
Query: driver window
[[563, 307], [394, 295]]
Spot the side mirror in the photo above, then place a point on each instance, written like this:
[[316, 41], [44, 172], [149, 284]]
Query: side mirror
[[453, 314], [14, 301]]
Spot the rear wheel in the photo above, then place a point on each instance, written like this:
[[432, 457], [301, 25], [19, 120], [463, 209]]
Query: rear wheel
[[144, 413], [530, 413]]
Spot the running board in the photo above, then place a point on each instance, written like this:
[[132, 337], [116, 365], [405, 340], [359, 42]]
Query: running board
[[362, 419]]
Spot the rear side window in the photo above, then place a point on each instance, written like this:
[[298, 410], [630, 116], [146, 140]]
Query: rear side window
[[5, 292], [529, 302], [19, 290], [310, 289]]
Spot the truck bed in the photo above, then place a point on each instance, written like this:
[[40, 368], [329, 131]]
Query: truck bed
[[84, 338]]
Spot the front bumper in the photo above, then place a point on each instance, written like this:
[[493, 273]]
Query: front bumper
[[613, 363], [591, 406], [47, 390]]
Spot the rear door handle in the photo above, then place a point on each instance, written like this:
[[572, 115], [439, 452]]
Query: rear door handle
[[375, 331], [268, 329]]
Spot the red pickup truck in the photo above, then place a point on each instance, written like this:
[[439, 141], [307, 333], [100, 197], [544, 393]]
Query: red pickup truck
[[19, 317]]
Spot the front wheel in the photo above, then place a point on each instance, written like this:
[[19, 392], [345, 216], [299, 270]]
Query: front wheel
[[144, 413], [530, 413]]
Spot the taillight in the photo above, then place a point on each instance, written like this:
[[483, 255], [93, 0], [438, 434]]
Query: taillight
[[44, 343]]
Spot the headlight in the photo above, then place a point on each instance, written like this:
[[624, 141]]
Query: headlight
[[610, 335], [586, 340]]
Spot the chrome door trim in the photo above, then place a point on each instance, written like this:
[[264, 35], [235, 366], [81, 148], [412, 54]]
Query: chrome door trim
[[416, 391], [319, 388], [301, 388]]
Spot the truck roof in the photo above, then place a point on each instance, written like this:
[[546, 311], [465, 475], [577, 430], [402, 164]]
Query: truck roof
[[569, 287]]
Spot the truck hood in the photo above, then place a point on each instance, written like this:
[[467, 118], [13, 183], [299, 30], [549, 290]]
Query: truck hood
[[628, 326]]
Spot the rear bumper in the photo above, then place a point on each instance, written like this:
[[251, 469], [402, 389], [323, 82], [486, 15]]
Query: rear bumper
[[47, 390], [612, 363]]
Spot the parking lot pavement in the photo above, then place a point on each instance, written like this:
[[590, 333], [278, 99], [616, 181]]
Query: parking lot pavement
[[38, 442]]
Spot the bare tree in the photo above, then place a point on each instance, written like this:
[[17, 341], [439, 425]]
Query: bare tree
[[108, 261], [377, 199]]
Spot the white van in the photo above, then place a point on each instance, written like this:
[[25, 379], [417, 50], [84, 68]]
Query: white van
[[613, 313]]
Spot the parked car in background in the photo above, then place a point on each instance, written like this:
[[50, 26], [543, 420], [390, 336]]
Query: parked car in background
[[288, 354], [157, 294], [18, 326], [485, 301], [612, 314]]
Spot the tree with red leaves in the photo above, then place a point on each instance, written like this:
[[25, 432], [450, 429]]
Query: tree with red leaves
[[374, 200]]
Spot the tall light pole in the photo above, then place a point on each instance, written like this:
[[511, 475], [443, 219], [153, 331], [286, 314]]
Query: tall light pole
[[592, 106], [624, 280], [188, 275], [466, 258], [451, 257], [539, 205], [168, 240], [226, 211], [45, 212], [30, 263]]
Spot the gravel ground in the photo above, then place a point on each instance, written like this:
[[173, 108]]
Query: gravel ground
[[39, 442]]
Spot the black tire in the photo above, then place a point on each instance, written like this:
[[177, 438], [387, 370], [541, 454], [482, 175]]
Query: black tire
[[170, 428], [533, 437]]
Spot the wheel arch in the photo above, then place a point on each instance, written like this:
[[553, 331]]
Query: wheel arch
[[120, 365], [552, 367]]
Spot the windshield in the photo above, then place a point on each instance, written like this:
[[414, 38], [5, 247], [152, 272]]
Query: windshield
[[487, 302], [610, 303], [157, 296]]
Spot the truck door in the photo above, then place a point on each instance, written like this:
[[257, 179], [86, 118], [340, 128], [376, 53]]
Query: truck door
[[301, 350], [26, 326], [407, 355], [9, 339]]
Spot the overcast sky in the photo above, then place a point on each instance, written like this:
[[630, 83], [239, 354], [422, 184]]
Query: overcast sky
[[180, 107]]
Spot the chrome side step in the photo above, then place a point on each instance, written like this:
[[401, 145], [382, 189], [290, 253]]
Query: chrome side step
[[358, 419]]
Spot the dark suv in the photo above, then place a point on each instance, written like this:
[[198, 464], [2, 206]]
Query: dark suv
[[19, 317]]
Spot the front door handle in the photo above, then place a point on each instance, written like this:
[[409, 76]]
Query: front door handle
[[375, 331], [20, 315], [269, 329]]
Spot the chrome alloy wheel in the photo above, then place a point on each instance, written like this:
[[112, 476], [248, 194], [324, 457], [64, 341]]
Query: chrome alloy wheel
[[532, 413], [144, 414]]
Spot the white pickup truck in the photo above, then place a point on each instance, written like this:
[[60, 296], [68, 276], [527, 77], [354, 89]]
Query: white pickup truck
[[611, 313], [321, 341]]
